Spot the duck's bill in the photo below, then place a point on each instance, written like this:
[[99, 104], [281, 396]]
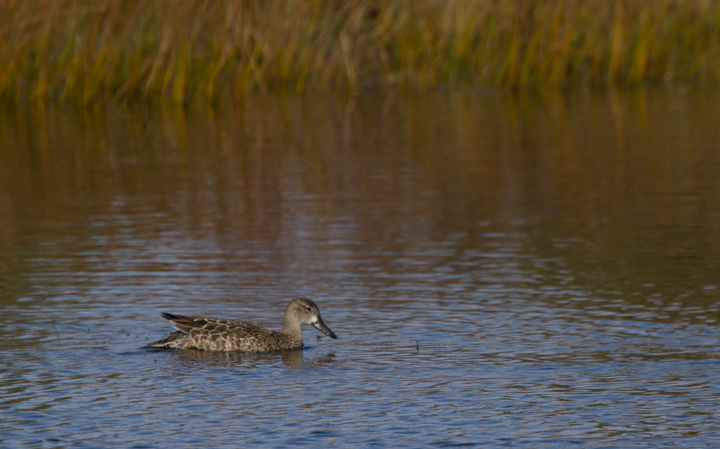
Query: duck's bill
[[319, 325]]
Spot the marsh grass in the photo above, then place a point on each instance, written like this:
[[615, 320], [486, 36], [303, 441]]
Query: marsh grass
[[190, 49]]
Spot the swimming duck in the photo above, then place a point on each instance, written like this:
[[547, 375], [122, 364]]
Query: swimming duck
[[213, 334]]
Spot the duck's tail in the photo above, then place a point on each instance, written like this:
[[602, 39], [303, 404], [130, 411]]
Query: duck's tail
[[176, 340]]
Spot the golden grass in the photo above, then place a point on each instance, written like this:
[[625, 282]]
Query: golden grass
[[188, 49]]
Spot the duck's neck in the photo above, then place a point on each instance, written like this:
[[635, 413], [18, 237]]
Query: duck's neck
[[291, 327]]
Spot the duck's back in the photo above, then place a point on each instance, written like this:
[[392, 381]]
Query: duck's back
[[213, 334]]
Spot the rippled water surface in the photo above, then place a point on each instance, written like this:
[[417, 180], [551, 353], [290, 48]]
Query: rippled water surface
[[501, 270]]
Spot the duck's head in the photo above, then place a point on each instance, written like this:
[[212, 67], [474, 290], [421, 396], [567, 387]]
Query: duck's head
[[305, 312]]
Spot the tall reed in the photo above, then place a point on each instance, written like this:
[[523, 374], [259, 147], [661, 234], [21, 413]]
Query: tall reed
[[183, 50]]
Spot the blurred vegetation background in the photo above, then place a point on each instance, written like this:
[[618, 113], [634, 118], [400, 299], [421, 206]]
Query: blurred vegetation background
[[187, 50]]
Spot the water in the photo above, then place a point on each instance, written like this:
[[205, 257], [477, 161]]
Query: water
[[514, 270]]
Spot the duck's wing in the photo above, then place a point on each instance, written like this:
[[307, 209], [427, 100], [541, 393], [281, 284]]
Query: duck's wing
[[214, 334]]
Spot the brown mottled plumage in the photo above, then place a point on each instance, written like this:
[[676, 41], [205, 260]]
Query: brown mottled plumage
[[213, 334]]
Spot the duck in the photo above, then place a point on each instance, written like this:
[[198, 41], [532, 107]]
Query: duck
[[213, 334]]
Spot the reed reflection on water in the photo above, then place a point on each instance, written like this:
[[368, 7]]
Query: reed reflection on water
[[499, 269]]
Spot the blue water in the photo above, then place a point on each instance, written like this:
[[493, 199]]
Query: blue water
[[500, 272]]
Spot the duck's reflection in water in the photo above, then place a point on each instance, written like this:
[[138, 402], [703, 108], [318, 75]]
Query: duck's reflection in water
[[290, 358]]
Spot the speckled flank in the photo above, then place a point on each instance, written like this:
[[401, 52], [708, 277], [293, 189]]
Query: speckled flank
[[212, 334]]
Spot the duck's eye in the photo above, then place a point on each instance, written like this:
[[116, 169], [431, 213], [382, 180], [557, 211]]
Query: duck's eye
[[308, 308]]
